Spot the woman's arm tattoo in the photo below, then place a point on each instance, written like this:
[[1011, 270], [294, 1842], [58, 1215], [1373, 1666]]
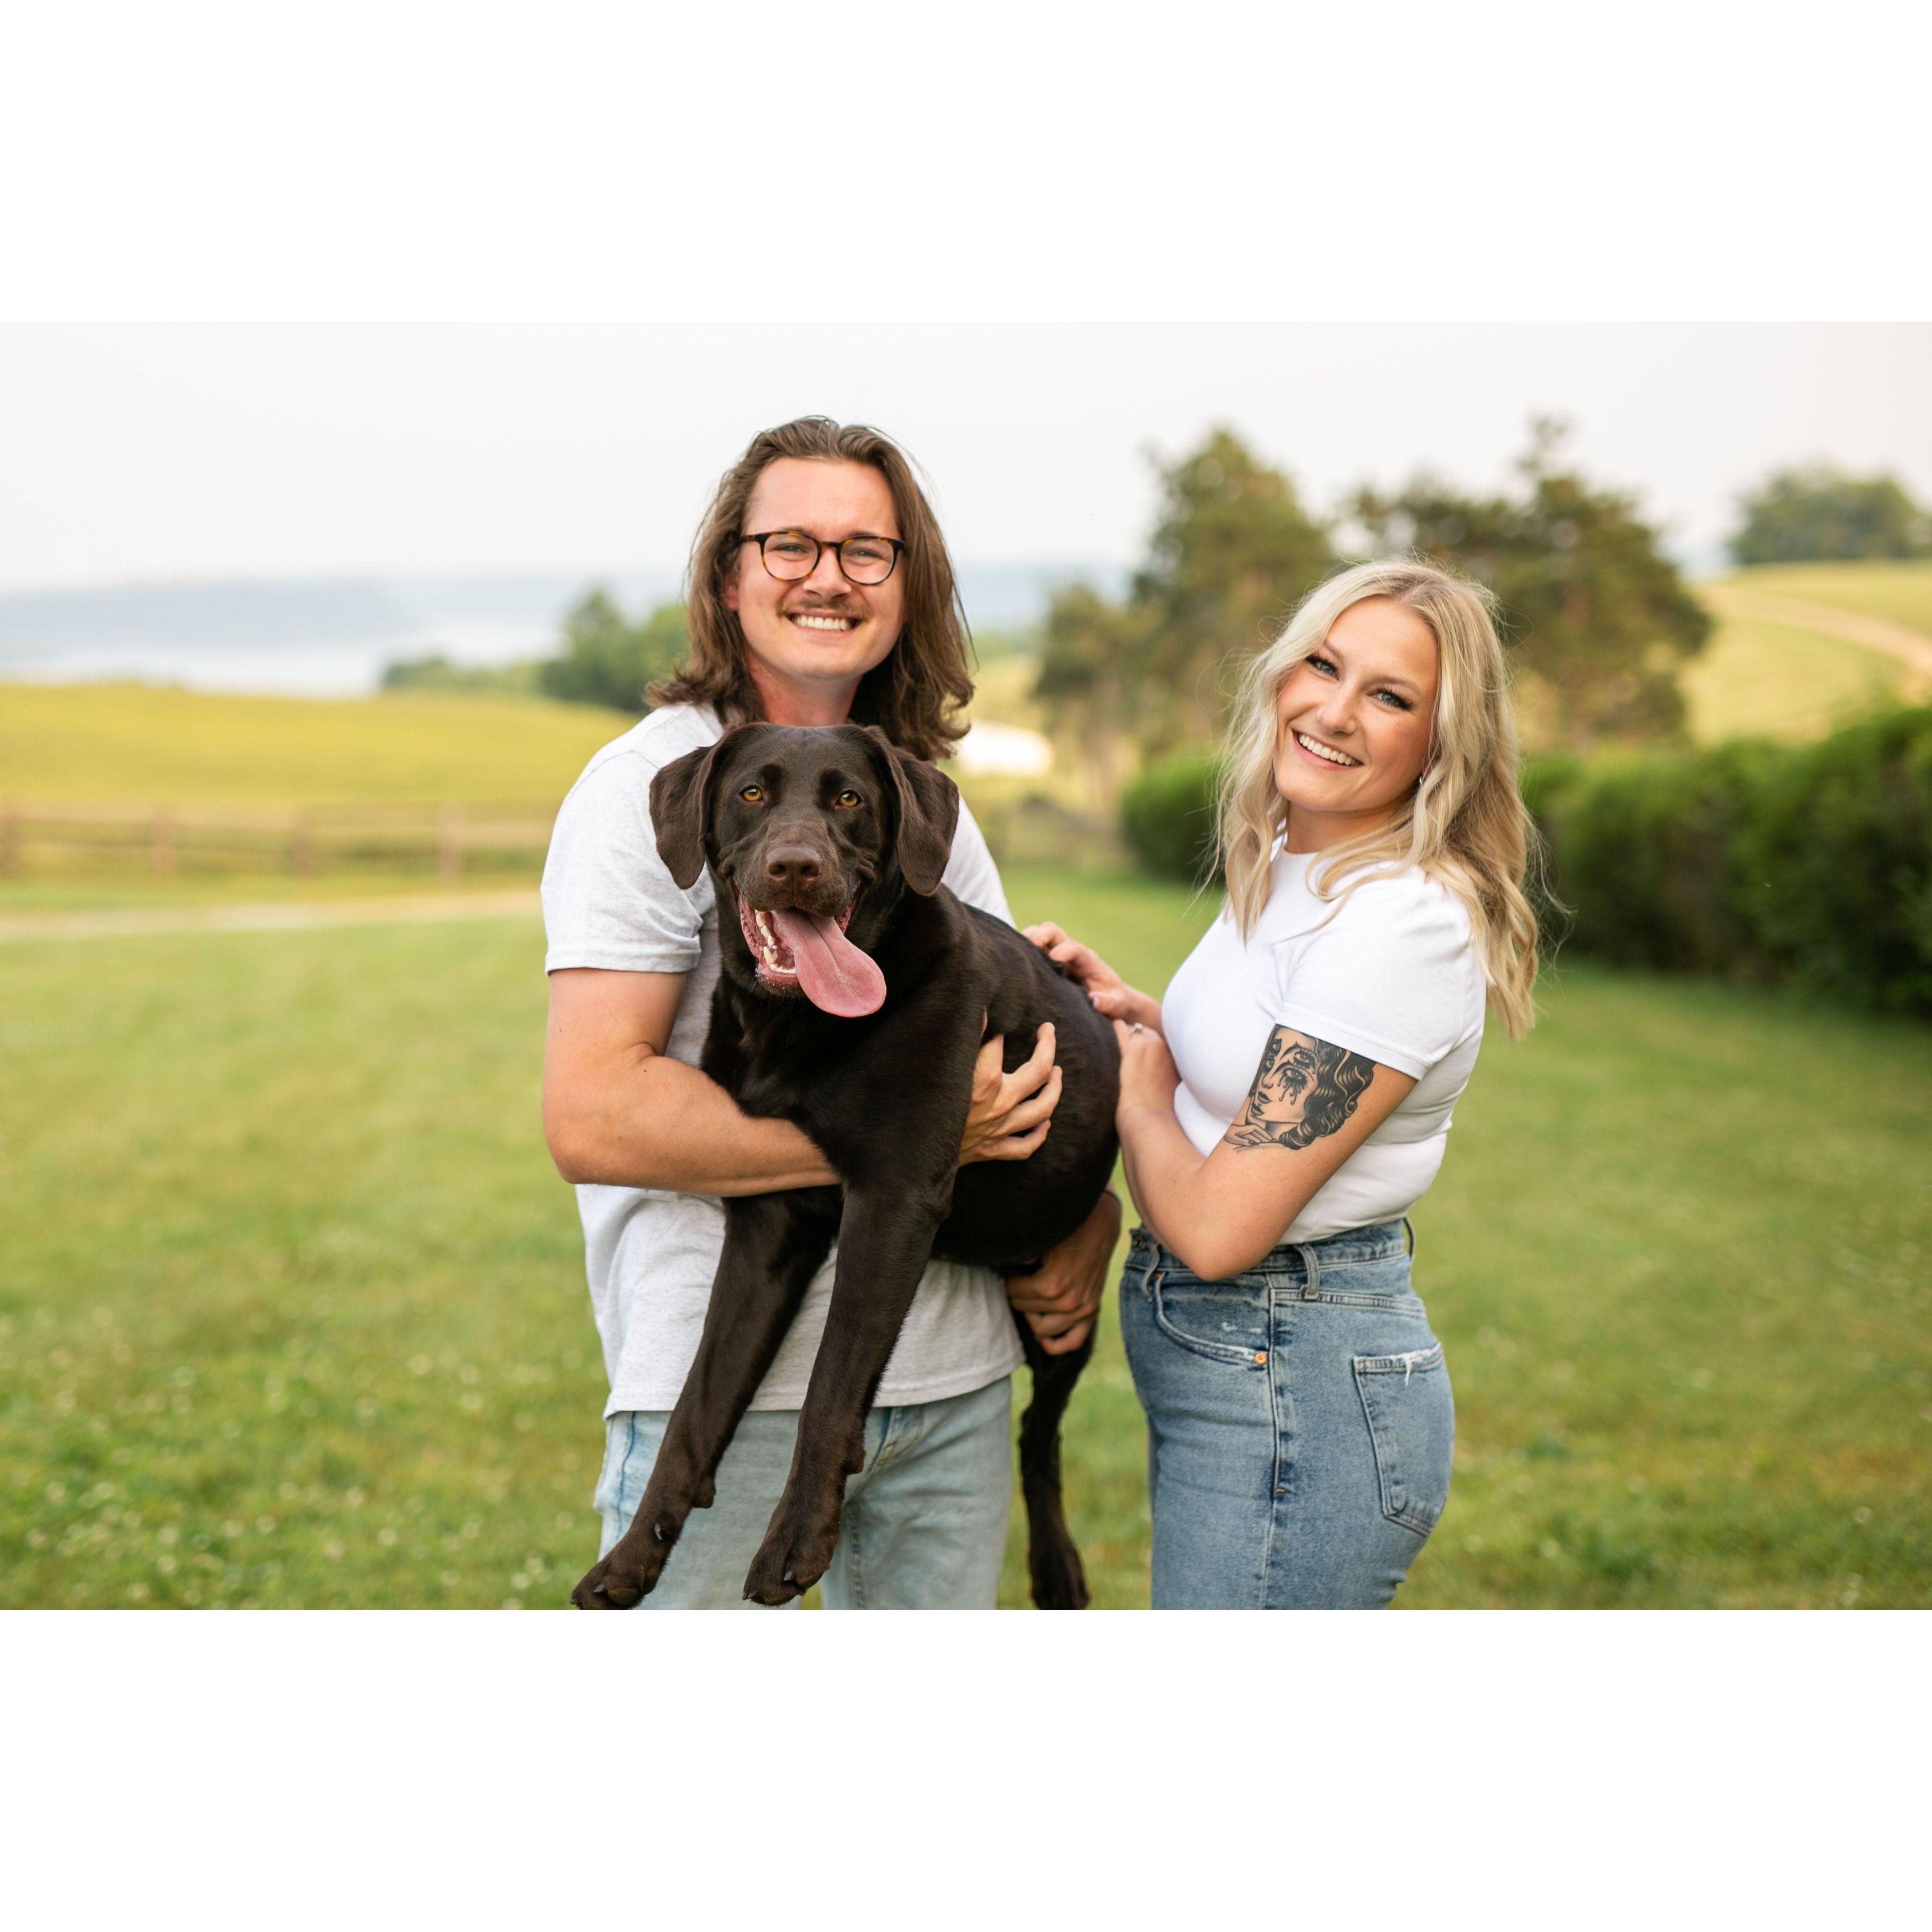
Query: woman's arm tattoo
[[1303, 1090]]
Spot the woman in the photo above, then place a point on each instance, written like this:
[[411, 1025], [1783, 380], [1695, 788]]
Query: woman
[[1286, 1106]]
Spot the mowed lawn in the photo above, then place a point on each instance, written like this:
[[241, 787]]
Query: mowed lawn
[[1899, 593], [1754, 679], [291, 1309]]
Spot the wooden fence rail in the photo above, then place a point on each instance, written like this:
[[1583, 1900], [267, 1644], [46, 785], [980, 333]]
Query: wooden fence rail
[[70, 835]]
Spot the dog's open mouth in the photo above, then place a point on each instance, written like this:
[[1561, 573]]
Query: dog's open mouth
[[808, 953]]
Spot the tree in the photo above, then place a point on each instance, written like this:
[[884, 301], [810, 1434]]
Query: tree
[[1232, 553], [607, 660], [1090, 665], [1597, 620], [1797, 516]]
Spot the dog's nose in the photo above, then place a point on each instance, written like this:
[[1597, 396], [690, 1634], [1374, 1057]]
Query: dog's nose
[[797, 866]]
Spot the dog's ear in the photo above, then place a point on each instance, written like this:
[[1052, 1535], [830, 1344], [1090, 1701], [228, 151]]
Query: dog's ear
[[680, 806], [929, 811]]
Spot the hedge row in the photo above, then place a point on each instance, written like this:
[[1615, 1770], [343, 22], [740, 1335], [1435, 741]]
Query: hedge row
[[1168, 816], [1809, 865]]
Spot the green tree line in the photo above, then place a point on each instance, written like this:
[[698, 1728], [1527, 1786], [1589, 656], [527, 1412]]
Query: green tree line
[[1820, 514], [603, 658]]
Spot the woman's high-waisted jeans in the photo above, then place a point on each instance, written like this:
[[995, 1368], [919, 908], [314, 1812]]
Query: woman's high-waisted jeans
[[1300, 1427]]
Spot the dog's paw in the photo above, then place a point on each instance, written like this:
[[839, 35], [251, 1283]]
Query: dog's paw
[[795, 1552], [1058, 1578], [624, 1579]]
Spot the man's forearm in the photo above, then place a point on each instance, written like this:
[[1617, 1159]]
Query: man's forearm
[[1060, 1300], [1088, 1249], [657, 1123]]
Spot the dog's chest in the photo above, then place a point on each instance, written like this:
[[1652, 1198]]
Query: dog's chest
[[772, 1069]]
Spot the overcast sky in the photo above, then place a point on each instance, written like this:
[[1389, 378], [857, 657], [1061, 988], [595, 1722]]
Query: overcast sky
[[656, 167], [192, 450]]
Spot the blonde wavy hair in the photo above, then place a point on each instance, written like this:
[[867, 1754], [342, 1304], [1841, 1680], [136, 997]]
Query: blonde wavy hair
[[1464, 825]]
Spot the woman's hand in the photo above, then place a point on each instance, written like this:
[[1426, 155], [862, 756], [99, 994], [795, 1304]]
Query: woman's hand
[[1010, 1112], [1113, 998], [1148, 1075]]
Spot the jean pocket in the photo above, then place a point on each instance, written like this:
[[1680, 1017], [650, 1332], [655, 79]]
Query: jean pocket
[[1223, 1322], [1411, 1418]]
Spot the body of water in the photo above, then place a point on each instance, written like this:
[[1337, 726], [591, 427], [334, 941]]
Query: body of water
[[332, 637]]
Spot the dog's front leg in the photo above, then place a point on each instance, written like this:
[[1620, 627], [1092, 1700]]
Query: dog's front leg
[[885, 1239], [773, 1246]]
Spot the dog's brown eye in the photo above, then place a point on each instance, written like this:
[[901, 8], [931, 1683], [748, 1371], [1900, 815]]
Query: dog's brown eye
[[848, 799], [752, 793]]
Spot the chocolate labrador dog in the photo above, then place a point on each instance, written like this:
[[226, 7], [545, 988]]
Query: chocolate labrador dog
[[855, 994]]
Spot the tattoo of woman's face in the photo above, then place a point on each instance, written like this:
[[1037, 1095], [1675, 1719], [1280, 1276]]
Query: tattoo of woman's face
[[1304, 1089]]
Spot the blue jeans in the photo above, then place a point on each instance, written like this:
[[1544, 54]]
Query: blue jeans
[[1299, 1427], [925, 1527]]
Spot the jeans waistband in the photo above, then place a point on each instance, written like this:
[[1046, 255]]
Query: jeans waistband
[[1382, 1242]]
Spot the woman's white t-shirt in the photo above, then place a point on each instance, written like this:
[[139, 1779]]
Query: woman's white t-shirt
[[1390, 972]]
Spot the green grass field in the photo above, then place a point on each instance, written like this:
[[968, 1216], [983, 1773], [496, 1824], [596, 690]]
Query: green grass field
[[291, 1309], [1899, 592], [1754, 679]]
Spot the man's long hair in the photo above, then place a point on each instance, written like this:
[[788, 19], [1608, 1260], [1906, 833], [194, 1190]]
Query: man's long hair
[[915, 694]]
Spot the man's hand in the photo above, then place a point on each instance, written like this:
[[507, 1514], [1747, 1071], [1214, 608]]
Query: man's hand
[[1062, 1300], [1010, 1112]]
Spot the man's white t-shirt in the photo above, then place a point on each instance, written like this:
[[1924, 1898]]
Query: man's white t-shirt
[[1390, 972], [609, 902]]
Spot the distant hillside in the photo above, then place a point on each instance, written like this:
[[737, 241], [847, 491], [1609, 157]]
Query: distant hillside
[[332, 610], [1800, 648], [134, 741], [1897, 593], [251, 612]]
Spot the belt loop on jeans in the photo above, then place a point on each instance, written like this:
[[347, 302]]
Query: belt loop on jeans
[[1311, 1289], [1408, 1229]]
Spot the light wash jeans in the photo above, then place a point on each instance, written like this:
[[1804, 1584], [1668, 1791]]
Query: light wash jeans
[[1300, 1425], [925, 1527]]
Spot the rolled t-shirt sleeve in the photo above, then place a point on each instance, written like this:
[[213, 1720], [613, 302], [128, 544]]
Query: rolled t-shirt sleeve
[[608, 899], [1389, 976]]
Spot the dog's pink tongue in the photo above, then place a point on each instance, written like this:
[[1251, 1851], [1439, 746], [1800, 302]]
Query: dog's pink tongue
[[833, 974]]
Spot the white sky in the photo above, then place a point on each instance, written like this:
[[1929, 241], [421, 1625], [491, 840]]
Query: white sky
[[146, 449], [1187, 205]]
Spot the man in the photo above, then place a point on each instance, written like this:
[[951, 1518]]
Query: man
[[821, 591]]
